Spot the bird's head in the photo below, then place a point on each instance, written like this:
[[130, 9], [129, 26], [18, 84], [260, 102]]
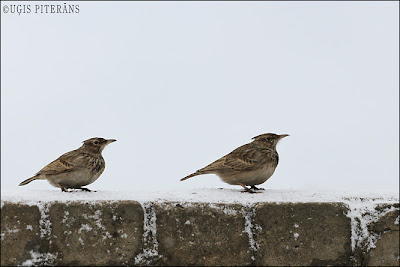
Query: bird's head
[[96, 144], [269, 139]]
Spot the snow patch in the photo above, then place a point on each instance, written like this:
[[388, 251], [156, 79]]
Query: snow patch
[[97, 218], [12, 231], [224, 209], [296, 235], [9, 231], [107, 235], [122, 234], [150, 243], [363, 212], [84, 227], [65, 217], [249, 228], [44, 222], [40, 259]]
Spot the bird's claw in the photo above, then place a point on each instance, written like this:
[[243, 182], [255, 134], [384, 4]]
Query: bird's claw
[[86, 189], [256, 188]]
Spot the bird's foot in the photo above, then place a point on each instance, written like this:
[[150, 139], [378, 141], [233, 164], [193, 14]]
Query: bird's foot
[[86, 189], [256, 188], [248, 190], [65, 190], [72, 189]]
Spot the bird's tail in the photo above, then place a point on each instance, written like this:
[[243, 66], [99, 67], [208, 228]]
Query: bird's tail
[[27, 181], [192, 175]]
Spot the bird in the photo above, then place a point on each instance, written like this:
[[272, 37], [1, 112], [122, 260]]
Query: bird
[[77, 168], [248, 165]]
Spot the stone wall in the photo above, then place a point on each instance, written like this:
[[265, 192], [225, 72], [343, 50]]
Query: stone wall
[[172, 233]]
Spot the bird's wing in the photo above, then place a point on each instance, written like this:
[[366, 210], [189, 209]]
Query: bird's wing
[[66, 163], [241, 158]]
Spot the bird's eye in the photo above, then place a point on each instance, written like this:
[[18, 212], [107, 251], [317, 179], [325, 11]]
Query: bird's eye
[[96, 142], [268, 139]]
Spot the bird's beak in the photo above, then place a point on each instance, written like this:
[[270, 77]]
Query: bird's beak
[[283, 136], [109, 141]]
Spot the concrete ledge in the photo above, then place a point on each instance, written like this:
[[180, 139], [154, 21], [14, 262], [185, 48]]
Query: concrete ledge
[[189, 233]]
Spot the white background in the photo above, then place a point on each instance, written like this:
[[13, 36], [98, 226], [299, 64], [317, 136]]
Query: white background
[[180, 84]]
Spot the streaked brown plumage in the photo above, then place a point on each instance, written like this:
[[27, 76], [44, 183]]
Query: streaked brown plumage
[[76, 168], [251, 164]]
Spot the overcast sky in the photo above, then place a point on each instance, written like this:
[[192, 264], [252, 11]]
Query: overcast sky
[[180, 84]]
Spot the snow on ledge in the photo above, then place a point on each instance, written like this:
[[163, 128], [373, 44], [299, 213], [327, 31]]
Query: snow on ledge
[[201, 195]]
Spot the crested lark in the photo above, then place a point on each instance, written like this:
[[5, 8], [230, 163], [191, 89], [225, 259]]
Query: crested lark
[[76, 168], [251, 164]]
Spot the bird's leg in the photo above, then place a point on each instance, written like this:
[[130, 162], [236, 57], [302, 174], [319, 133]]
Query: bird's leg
[[247, 189], [256, 188], [85, 189]]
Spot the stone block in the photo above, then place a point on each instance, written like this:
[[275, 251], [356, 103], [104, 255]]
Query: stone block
[[20, 233], [386, 230], [302, 234], [202, 234], [101, 233]]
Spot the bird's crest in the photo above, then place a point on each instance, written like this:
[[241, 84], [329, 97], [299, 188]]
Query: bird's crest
[[264, 136]]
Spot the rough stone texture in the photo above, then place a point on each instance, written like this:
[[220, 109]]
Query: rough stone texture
[[75, 233], [202, 234], [114, 229], [302, 234], [129, 233], [387, 248], [20, 233]]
